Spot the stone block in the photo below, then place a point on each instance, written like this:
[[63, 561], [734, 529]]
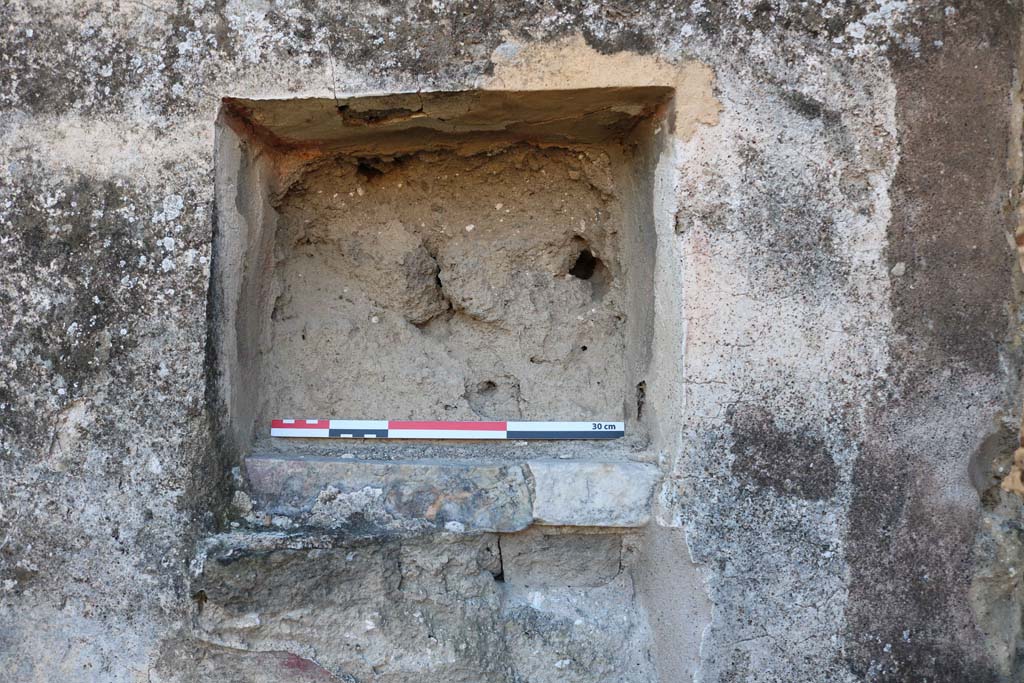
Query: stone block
[[543, 557], [383, 495], [575, 493]]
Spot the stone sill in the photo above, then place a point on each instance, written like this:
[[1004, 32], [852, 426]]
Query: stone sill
[[460, 496]]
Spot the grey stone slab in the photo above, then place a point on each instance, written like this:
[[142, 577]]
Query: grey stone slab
[[574, 493], [411, 495]]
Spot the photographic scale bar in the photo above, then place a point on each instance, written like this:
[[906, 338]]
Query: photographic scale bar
[[405, 429]]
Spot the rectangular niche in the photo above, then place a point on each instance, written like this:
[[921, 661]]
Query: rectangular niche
[[480, 255]]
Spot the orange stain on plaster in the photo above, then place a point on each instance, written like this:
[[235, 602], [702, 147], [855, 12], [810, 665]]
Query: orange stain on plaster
[[571, 64]]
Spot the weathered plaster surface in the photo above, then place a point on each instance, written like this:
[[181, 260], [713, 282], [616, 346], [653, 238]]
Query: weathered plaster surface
[[842, 194]]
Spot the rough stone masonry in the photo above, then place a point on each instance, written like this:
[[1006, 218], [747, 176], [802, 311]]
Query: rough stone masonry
[[799, 279]]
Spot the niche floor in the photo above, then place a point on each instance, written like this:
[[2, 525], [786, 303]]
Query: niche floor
[[447, 285]]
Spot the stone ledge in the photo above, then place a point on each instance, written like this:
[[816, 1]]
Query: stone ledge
[[374, 496], [406, 496]]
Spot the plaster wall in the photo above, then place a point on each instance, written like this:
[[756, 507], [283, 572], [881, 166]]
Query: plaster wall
[[838, 398]]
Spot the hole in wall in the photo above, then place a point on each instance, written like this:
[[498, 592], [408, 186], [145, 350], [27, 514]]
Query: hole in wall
[[490, 560], [501, 399], [368, 171], [591, 268], [586, 264], [641, 399], [199, 597], [375, 117]]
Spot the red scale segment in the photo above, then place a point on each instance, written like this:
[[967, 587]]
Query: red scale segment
[[467, 426], [300, 424]]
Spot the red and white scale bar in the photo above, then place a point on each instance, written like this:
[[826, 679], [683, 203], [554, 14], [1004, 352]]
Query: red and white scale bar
[[403, 429]]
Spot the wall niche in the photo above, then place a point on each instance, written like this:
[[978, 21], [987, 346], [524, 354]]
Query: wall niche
[[479, 255]]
